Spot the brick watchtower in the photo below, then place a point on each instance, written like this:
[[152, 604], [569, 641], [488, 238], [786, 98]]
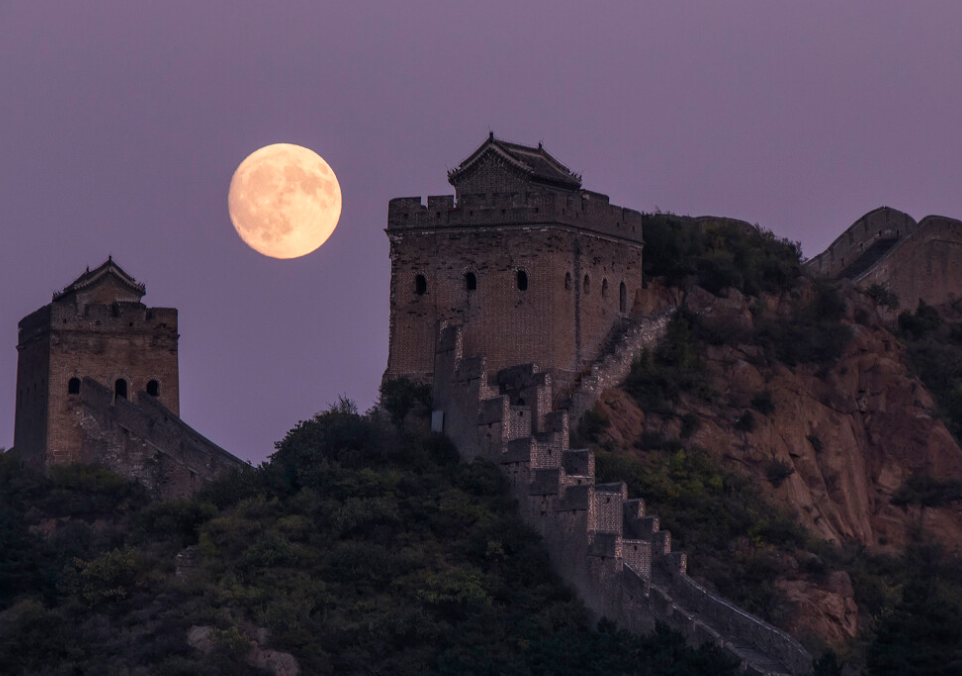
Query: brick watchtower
[[95, 328], [530, 265]]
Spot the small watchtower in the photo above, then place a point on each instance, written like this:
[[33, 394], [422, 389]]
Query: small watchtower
[[533, 267], [95, 328]]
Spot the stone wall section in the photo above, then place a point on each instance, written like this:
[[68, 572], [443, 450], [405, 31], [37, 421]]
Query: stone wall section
[[614, 554], [613, 366], [883, 223], [144, 441], [67, 340], [98, 382], [926, 265], [540, 277], [887, 247]]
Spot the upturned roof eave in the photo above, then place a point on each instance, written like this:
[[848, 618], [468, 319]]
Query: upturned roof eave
[[90, 277]]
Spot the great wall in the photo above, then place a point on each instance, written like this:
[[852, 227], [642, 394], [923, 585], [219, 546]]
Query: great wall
[[914, 260], [520, 299], [503, 297], [603, 544]]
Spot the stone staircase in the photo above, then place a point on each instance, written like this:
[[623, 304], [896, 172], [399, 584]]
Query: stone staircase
[[614, 363], [605, 545], [868, 258]]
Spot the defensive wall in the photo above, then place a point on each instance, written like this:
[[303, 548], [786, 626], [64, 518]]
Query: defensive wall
[[883, 225], [602, 543], [144, 441], [98, 382], [916, 261], [541, 276], [59, 343], [926, 265]]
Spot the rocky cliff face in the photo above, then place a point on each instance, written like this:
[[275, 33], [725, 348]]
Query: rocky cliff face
[[850, 432]]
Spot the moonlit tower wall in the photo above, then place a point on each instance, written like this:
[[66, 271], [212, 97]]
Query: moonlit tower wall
[[96, 328], [530, 265]]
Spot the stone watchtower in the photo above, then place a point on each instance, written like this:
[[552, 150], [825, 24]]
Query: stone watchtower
[[532, 267], [96, 328]]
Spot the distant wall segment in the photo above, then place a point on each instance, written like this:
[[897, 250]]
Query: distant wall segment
[[927, 265], [883, 223], [915, 260]]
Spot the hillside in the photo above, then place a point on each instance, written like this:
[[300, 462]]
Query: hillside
[[773, 389], [357, 549]]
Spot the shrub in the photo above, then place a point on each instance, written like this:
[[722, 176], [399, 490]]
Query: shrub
[[927, 491], [677, 365], [778, 471], [689, 425], [925, 320], [401, 396], [883, 296], [592, 424], [763, 403], [178, 519]]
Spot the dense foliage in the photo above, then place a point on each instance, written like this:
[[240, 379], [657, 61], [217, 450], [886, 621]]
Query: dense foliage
[[718, 254], [935, 353], [735, 539], [360, 548]]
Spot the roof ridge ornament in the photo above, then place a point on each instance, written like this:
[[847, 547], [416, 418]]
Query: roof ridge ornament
[[88, 279]]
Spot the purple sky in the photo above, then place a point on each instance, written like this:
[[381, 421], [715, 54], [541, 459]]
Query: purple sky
[[122, 122]]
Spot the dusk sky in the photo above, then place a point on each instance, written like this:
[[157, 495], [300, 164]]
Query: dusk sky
[[121, 123]]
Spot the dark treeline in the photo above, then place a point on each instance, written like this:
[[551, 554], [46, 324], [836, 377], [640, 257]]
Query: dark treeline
[[362, 548]]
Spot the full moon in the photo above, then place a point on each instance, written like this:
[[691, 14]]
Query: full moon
[[284, 200]]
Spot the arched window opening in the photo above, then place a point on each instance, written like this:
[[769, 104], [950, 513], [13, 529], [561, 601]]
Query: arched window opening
[[470, 281], [623, 298], [73, 386], [604, 287], [153, 388], [520, 402], [587, 285], [120, 389], [420, 285], [522, 280], [567, 281]]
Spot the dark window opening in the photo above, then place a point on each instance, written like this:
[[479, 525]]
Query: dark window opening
[[73, 386], [604, 288], [586, 285], [470, 281], [623, 298], [153, 388], [522, 280], [420, 285], [567, 281], [120, 389], [520, 402]]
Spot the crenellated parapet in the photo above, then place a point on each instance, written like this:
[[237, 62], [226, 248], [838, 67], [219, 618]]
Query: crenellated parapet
[[581, 210], [614, 553]]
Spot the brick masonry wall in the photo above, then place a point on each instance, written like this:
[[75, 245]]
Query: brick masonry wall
[[881, 223], [559, 321], [926, 265], [105, 342], [584, 525], [145, 442], [33, 366]]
